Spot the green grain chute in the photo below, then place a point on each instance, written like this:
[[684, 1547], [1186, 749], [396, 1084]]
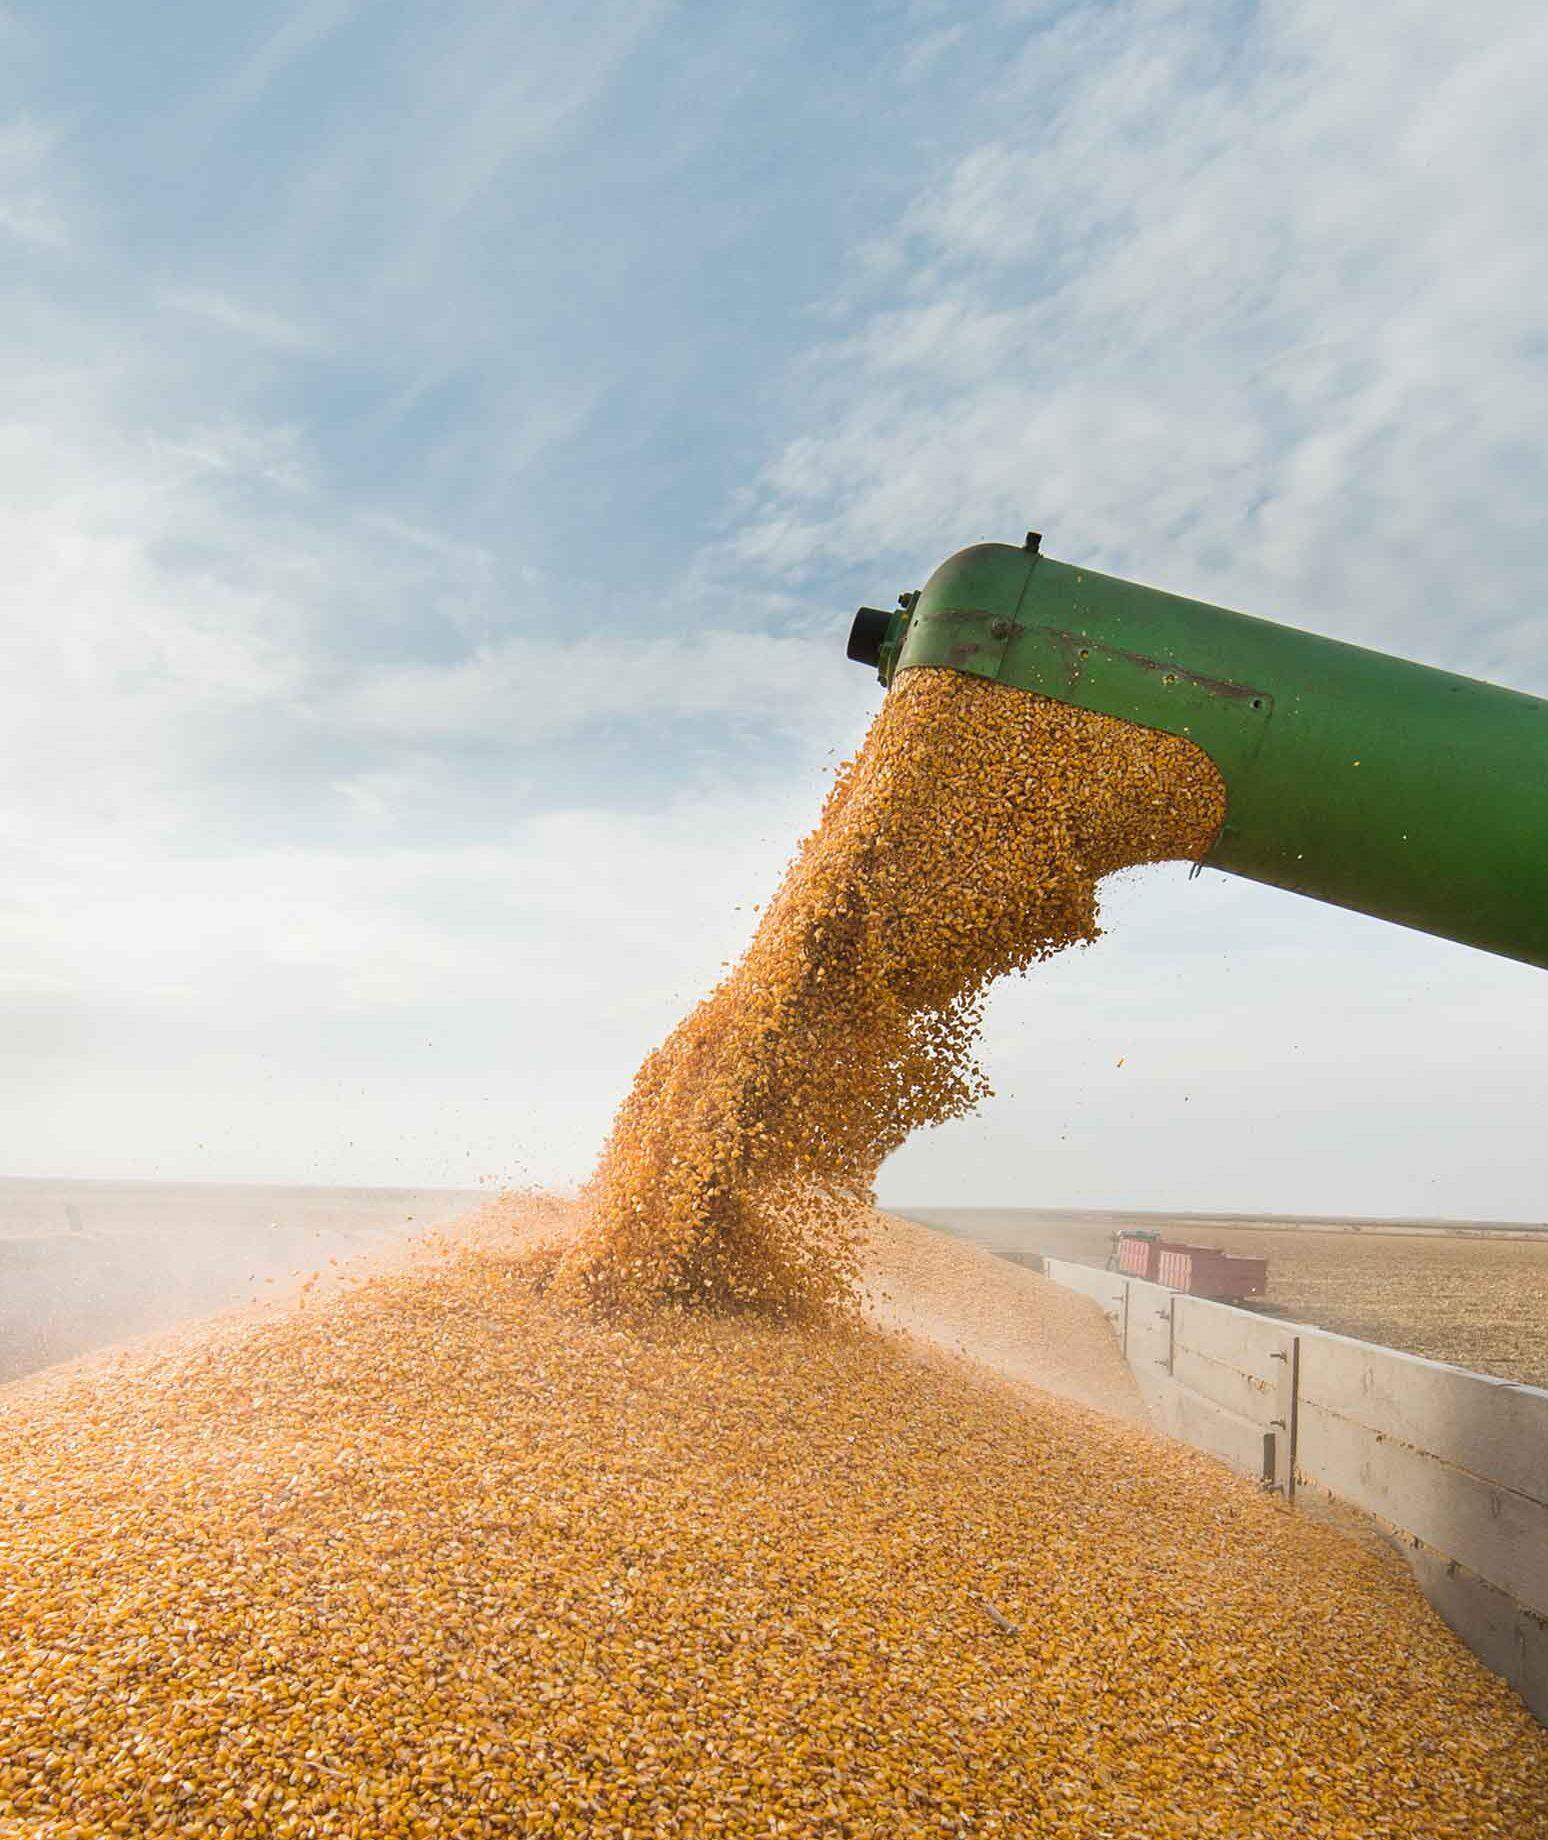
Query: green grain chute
[[1360, 779]]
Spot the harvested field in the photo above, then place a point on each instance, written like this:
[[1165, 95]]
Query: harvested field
[[1476, 1298], [433, 1553], [1480, 1302]]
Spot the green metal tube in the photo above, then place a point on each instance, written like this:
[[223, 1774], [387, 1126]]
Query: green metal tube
[[1355, 778]]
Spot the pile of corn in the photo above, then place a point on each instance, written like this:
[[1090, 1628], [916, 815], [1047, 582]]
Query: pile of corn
[[445, 1556], [965, 841]]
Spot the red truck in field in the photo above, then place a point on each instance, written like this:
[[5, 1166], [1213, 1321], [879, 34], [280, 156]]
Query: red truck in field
[[1201, 1271]]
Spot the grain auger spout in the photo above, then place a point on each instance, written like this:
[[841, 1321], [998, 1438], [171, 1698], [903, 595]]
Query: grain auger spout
[[1360, 779]]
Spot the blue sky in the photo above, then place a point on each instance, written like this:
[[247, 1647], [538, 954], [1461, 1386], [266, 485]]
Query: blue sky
[[440, 451]]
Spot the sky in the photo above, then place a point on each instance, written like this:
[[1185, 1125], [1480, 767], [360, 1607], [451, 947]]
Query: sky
[[441, 450]]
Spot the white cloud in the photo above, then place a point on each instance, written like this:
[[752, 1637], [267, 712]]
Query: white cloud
[[28, 209], [929, 48], [469, 105], [184, 613], [328, 1015], [510, 85], [240, 317], [205, 649], [528, 693], [1251, 306], [302, 31]]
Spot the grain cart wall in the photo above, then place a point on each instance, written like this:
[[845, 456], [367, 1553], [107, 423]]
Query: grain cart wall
[[1455, 1463]]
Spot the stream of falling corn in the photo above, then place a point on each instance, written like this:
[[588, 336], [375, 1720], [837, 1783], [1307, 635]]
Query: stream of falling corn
[[447, 1551], [965, 841]]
